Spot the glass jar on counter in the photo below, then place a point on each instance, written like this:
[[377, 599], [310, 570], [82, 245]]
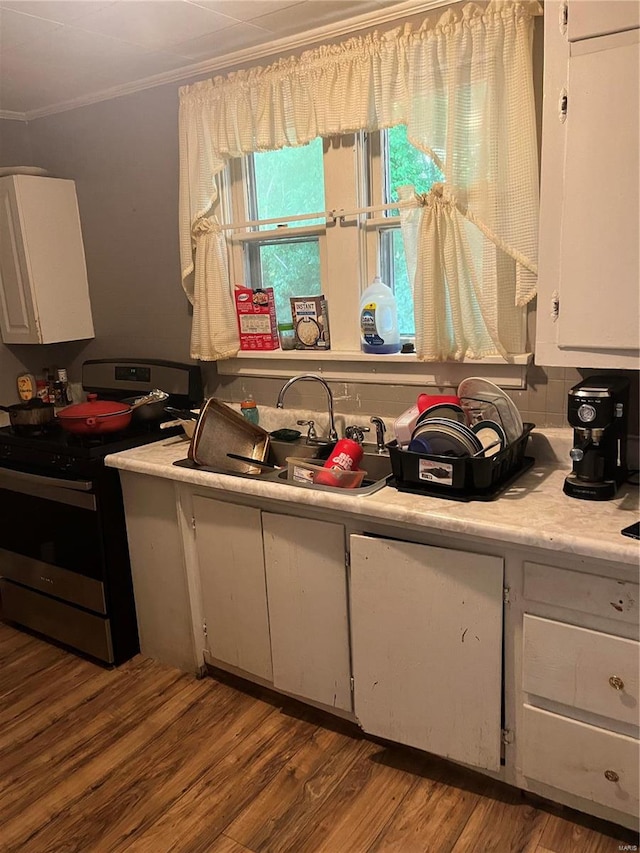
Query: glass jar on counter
[[287, 335]]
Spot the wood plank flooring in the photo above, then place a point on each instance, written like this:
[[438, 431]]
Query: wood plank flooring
[[146, 759]]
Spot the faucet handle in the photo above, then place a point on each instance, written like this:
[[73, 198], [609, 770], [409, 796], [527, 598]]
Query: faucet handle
[[356, 432], [311, 432]]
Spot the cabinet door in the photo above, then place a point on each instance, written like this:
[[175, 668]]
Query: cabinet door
[[600, 262], [234, 598], [426, 633], [45, 294], [587, 262], [17, 318], [307, 593], [586, 19]]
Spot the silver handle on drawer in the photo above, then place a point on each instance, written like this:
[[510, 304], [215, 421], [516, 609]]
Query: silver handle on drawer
[[611, 776], [616, 682]]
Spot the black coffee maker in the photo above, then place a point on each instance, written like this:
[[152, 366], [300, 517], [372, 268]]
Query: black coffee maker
[[597, 411]]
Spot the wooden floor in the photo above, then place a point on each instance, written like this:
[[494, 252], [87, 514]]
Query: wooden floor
[[145, 758]]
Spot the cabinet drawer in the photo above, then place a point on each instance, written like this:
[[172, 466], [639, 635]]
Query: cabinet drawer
[[578, 591], [589, 762], [581, 668]]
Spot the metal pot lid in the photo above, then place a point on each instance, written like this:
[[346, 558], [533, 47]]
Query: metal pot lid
[[94, 408]]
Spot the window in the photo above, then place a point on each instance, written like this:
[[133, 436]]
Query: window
[[401, 164], [473, 238], [295, 257]]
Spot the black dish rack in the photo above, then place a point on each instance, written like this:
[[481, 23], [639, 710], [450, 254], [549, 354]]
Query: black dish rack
[[464, 478]]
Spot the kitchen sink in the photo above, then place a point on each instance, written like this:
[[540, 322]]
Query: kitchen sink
[[377, 465]]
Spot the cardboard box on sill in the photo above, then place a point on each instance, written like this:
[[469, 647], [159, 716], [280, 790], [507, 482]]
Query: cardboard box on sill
[[311, 322], [256, 311]]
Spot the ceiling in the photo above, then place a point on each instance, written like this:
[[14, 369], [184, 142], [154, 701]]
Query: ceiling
[[55, 54]]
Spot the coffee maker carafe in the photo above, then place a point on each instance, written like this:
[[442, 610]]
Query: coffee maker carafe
[[597, 411]]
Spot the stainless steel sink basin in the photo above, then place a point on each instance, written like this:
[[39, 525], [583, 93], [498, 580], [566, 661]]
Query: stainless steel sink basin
[[377, 465]]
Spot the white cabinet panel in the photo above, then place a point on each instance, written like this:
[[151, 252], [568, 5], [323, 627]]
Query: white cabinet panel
[[588, 265], [44, 295], [588, 18], [426, 629], [231, 564], [608, 597], [600, 260], [590, 762], [307, 594], [581, 668], [163, 606]]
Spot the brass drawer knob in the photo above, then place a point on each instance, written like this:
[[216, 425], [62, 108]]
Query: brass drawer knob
[[611, 776], [616, 682]]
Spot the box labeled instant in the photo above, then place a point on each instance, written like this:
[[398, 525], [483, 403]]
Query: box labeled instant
[[256, 310], [311, 322]]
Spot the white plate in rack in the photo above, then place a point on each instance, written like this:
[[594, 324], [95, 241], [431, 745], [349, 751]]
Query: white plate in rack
[[35, 171]]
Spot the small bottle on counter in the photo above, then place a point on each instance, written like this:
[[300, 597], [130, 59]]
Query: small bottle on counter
[[61, 389], [42, 389], [51, 385], [249, 410]]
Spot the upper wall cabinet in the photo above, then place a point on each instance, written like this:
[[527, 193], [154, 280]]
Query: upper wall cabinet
[[589, 263], [44, 295]]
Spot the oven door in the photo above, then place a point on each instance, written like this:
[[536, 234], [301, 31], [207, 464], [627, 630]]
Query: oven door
[[51, 569], [48, 537]]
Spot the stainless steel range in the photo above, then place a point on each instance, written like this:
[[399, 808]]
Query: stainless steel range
[[64, 561]]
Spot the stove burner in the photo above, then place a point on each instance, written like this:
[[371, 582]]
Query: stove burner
[[35, 430]]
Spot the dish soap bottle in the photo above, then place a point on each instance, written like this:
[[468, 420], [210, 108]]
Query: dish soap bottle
[[249, 410], [379, 319]]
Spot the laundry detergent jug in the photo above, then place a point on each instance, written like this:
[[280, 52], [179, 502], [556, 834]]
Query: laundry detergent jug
[[379, 319]]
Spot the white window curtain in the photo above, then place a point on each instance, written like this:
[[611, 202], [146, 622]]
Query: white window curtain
[[464, 88]]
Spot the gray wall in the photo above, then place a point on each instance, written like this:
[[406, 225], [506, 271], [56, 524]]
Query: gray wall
[[15, 147], [123, 155]]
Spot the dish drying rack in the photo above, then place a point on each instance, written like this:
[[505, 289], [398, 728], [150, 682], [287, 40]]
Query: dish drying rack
[[464, 478]]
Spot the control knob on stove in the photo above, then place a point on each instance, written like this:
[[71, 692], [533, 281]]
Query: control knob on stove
[[6, 452]]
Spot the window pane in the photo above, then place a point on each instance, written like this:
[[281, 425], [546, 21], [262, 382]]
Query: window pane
[[292, 268], [402, 164], [406, 164], [394, 273], [289, 182]]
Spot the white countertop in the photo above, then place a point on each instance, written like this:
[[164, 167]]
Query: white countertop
[[534, 512]]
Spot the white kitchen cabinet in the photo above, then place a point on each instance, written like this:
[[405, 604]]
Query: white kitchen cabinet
[[274, 598], [161, 589], [234, 597], [308, 615], [589, 262], [586, 18], [579, 718], [44, 294], [426, 633]]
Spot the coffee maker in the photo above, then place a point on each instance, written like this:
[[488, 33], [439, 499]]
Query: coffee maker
[[597, 411]]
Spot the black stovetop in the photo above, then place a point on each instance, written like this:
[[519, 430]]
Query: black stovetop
[[60, 453]]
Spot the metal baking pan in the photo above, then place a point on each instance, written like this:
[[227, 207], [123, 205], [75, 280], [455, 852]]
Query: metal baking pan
[[221, 430]]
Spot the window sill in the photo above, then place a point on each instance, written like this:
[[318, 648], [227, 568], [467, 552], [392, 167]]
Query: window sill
[[397, 369]]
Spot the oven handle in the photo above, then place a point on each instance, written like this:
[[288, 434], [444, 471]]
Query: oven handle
[[71, 492]]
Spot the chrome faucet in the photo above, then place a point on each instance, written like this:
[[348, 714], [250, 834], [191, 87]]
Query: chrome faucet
[[380, 431], [333, 435]]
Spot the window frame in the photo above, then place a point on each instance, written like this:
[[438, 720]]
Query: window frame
[[349, 250]]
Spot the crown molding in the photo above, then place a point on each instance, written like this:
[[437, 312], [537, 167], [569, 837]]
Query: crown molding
[[8, 115], [228, 61]]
